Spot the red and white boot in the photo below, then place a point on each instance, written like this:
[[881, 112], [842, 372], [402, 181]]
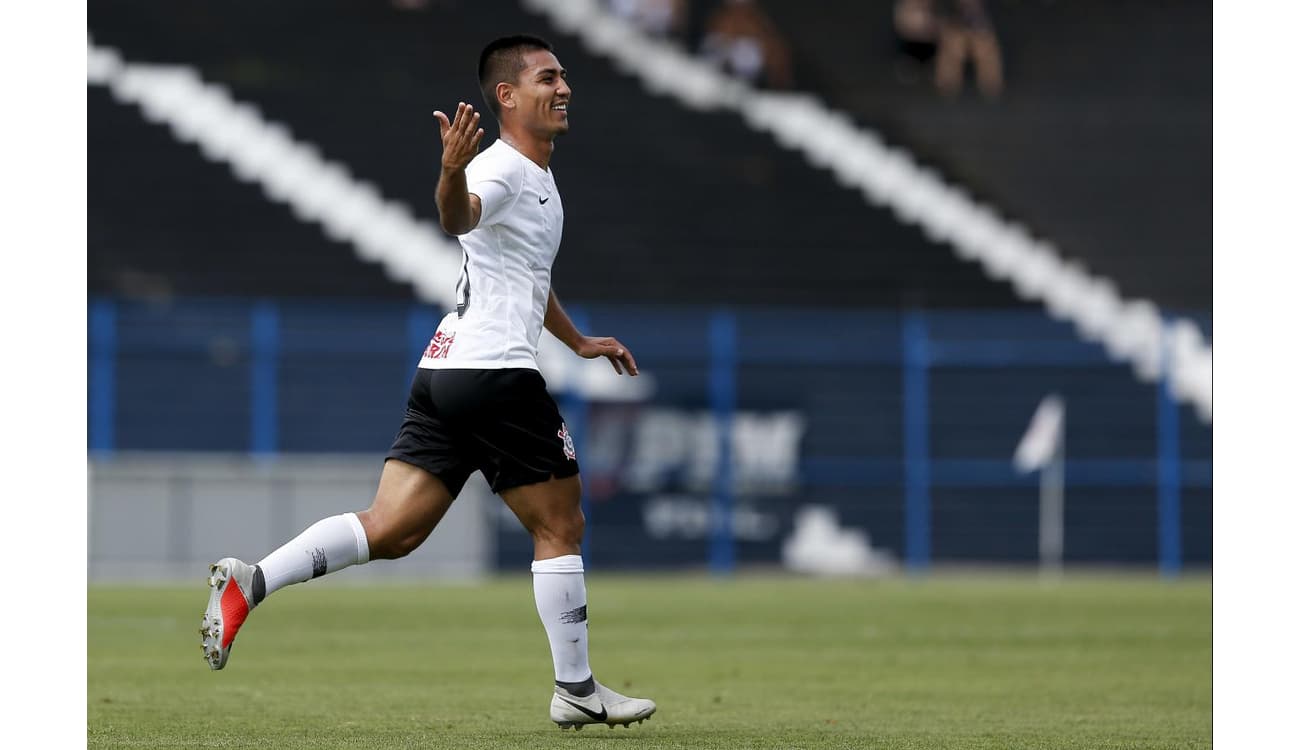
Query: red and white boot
[[230, 601]]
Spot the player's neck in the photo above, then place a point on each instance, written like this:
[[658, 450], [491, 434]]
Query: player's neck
[[538, 150]]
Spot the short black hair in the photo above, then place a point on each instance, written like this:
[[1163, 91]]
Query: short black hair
[[503, 60]]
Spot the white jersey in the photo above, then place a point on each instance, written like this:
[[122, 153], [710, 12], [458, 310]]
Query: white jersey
[[505, 279]]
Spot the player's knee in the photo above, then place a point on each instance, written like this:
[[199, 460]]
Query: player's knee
[[576, 528], [402, 546], [568, 528], [386, 539], [392, 547], [397, 543]]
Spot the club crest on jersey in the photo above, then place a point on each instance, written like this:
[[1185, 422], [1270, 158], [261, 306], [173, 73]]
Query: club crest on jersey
[[568, 442]]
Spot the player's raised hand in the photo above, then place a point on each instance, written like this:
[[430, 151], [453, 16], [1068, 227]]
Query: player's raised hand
[[610, 348], [460, 137]]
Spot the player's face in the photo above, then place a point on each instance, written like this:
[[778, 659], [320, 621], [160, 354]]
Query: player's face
[[543, 94]]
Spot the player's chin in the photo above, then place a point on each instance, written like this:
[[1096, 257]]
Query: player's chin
[[562, 127]]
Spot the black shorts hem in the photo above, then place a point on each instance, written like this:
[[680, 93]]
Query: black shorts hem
[[519, 479], [453, 480]]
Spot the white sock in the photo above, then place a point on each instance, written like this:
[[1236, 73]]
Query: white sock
[[328, 545], [561, 594]]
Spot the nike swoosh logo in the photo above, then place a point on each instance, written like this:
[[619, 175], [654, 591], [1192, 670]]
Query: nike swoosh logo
[[543, 200], [597, 716]]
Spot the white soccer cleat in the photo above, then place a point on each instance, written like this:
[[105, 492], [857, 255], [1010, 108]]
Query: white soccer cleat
[[229, 602], [604, 706]]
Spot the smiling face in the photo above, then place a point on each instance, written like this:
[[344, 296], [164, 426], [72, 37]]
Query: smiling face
[[538, 101]]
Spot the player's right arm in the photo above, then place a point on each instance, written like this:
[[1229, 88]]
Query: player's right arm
[[458, 209]]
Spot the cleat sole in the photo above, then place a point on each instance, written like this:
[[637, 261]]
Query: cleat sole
[[211, 628], [577, 726]]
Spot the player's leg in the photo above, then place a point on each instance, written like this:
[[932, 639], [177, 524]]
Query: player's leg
[[988, 63], [950, 59], [407, 506], [551, 511], [527, 456], [425, 471]]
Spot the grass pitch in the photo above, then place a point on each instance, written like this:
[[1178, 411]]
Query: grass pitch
[[946, 662]]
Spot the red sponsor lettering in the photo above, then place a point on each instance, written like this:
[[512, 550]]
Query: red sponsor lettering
[[439, 346]]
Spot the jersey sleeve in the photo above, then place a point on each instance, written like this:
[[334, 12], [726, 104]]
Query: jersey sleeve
[[496, 182]]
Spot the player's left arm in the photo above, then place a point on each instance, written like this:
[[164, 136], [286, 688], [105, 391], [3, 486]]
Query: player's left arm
[[588, 347]]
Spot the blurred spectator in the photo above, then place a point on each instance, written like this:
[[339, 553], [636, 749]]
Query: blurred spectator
[[915, 22], [662, 18], [743, 40], [917, 29], [965, 31]]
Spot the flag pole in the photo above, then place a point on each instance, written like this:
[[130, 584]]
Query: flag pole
[[1051, 509]]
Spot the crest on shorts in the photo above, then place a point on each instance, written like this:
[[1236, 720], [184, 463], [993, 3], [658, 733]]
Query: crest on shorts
[[568, 442]]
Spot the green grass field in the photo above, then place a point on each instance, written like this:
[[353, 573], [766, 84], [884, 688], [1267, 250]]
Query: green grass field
[[946, 662]]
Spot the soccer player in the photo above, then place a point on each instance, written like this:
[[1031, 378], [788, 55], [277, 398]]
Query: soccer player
[[477, 400]]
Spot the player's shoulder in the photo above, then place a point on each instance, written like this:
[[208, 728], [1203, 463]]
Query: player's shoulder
[[497, 159], [497, 155]]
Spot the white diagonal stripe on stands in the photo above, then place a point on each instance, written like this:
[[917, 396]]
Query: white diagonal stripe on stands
[[288, 170], [1133, 331], [292, 172]]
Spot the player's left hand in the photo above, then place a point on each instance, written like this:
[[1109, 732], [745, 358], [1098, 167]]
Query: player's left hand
[[606, 346]]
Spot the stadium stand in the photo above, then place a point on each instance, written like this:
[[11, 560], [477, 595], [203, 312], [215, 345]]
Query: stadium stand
[[1102, 140], [288, 171], [165, 223], [1132, 330], [683, 232], [724, 217]]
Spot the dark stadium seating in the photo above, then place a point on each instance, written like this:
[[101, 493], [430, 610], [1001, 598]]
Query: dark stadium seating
[[662, 204], [1102, 141], [163, 222]]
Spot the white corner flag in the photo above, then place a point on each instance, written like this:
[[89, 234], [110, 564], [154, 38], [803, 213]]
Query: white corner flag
[[1042, 449], [1043, 437]]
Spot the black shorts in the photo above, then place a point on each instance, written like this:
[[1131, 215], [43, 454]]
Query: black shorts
[[500, 422]]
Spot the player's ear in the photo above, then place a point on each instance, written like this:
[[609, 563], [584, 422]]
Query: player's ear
[[505, 95]]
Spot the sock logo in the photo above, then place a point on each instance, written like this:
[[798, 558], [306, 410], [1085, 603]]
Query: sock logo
[[318, 562], [574, 616]]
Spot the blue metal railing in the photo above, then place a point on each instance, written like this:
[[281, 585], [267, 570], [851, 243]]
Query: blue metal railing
[[1169, 484], [264, 433], [738, 343], [103, 382], [916, 440], [722, 398]]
